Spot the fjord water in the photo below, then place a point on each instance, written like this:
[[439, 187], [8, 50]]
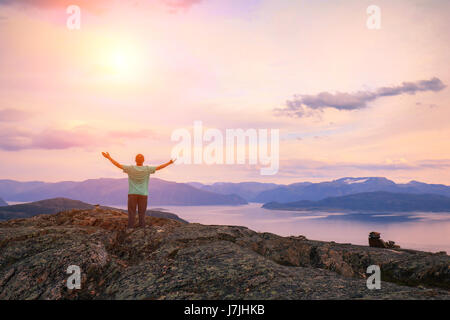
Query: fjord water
[[425, 231]]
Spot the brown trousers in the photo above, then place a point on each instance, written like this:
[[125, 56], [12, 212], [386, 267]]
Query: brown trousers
[[141, 202]]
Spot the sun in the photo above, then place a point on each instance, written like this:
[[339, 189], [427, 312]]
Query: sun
[[120, 61]]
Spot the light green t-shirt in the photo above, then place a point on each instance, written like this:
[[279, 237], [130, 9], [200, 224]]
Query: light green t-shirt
[[138, 177]]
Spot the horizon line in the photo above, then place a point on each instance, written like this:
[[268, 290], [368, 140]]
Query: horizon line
[[211, 183]]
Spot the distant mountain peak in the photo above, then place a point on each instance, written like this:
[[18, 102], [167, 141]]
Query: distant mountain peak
[[355, 180], [416, 182], [351, 180], [3, 203]]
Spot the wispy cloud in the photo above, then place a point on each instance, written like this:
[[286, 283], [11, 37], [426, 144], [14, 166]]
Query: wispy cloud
[[11, 115], [15, 139], [305, 167], [89, 4], [96, 5], [435, 164], [181, 4], [138, 134], [304, 105]]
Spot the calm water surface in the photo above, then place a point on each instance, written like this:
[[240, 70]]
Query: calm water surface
[[421, 231]]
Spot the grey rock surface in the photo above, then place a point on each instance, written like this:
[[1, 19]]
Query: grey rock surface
[[173, 260]]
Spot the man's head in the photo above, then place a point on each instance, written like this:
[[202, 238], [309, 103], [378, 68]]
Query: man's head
[[139, 159]]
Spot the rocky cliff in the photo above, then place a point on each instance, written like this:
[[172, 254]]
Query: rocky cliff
[[173, 260]]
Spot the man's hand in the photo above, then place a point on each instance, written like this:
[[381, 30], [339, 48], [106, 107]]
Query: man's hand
[[114, 162], [165, 164]]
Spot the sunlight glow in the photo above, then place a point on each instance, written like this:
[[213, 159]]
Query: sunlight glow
[[121, 61]]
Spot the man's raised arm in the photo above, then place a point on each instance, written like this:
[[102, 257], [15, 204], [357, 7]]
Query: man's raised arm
[[165, 165], [114, 162]]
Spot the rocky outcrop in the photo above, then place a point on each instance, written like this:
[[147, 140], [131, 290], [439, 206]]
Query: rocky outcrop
[[376, 241], [173, 260], [55, 205]]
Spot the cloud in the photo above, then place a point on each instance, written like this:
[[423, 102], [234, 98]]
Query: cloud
[[92, 5], [96, 5], [15, 139], [63, 139], [11, 115], [435, 164], [306, 105], [320, 169], [181, 4], [430, 105], [132, 134]]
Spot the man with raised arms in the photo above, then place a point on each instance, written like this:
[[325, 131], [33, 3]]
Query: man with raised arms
[[138, 176]]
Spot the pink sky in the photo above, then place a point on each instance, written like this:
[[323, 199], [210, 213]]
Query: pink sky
[[363, 102]]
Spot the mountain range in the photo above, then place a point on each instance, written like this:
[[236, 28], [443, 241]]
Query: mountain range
[[379, 201], [108, 191], [269, 192], [113, 192], [247, 190]]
